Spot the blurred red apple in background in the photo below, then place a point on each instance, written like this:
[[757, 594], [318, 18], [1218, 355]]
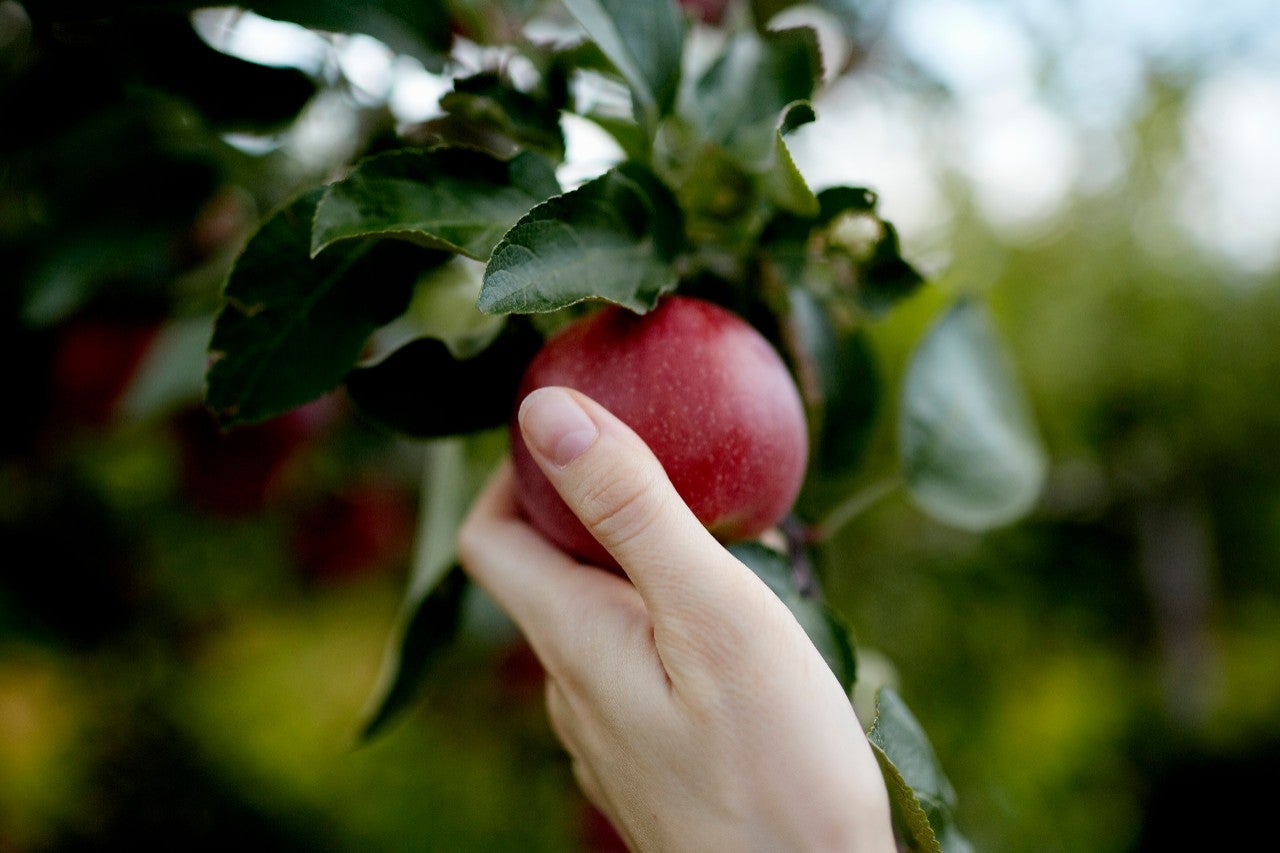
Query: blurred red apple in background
[[705, 390], [365, 529], [234, 472], [94, 361]]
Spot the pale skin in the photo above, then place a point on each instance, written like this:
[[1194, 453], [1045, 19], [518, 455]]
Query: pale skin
[[696, 712]]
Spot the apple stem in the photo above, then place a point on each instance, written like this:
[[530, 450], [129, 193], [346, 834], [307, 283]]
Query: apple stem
[[797, 536], [853, 506]]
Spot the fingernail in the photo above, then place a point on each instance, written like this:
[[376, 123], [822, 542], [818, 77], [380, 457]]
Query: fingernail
[[556, 426]]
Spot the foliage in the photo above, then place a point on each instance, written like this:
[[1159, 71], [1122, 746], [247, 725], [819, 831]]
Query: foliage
[[707, 201], [709, 194]]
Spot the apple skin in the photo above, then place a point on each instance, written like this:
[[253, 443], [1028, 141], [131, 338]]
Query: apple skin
[[705, 391]]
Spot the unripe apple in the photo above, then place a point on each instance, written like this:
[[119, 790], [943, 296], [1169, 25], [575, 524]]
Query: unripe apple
[[706, 392]]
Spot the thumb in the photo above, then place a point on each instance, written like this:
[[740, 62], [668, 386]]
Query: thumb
[[614, 484]]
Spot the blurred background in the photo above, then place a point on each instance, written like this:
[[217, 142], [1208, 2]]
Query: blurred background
[[191, 622]]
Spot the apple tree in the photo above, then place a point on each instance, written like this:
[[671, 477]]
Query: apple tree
[[422, 274]]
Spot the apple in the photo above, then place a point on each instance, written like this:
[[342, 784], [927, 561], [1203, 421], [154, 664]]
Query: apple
[[236, 472], [365, 529], [520, 673], [597, 833], [707, 393], [94, 363]]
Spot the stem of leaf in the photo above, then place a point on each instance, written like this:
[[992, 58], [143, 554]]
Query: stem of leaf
[[853, 506]]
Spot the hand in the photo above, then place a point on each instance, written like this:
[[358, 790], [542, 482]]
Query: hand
[[696, 712]]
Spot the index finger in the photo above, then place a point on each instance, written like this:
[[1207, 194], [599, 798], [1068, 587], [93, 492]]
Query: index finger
[[612, 482]]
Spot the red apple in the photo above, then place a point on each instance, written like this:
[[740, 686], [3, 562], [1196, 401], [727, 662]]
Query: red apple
[[365, 529], [705, 390], [95, 361], [520, 673], [597, 833], [234, 473]]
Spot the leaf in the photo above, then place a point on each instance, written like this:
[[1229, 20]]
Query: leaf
[[451, 199], [453, 471], [910, 821], [423, 391], [921, 796], [644, 41], [788, 228], [885, 277], [293, 327], [969, 448], [612, 238], [783, 183], [826, 629], [444, 307], [853, 391], [427, 629], [738, 100], [848, 12], [857, 252], [489, 99], [171, 374], [839, 380], [630, 137]]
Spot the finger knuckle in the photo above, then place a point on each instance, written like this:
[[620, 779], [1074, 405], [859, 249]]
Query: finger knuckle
[[620, 509]]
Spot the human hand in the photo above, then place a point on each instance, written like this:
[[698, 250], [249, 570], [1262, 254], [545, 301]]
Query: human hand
[[696, 712]]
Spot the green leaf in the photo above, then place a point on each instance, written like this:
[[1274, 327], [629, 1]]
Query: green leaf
[[853, 395], [788, 228], [453, 472], [738, 101], [171, 374], [920, 795], [857, 252], [423, 391], [630, 136], [426, 630], [293, 327], [970, 451], [839, 380], [826, 629], [848, 12], [444, 307], [451, 199], [644, 41], [885, 276], [783, 183], [487, 98], [613, 238]]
